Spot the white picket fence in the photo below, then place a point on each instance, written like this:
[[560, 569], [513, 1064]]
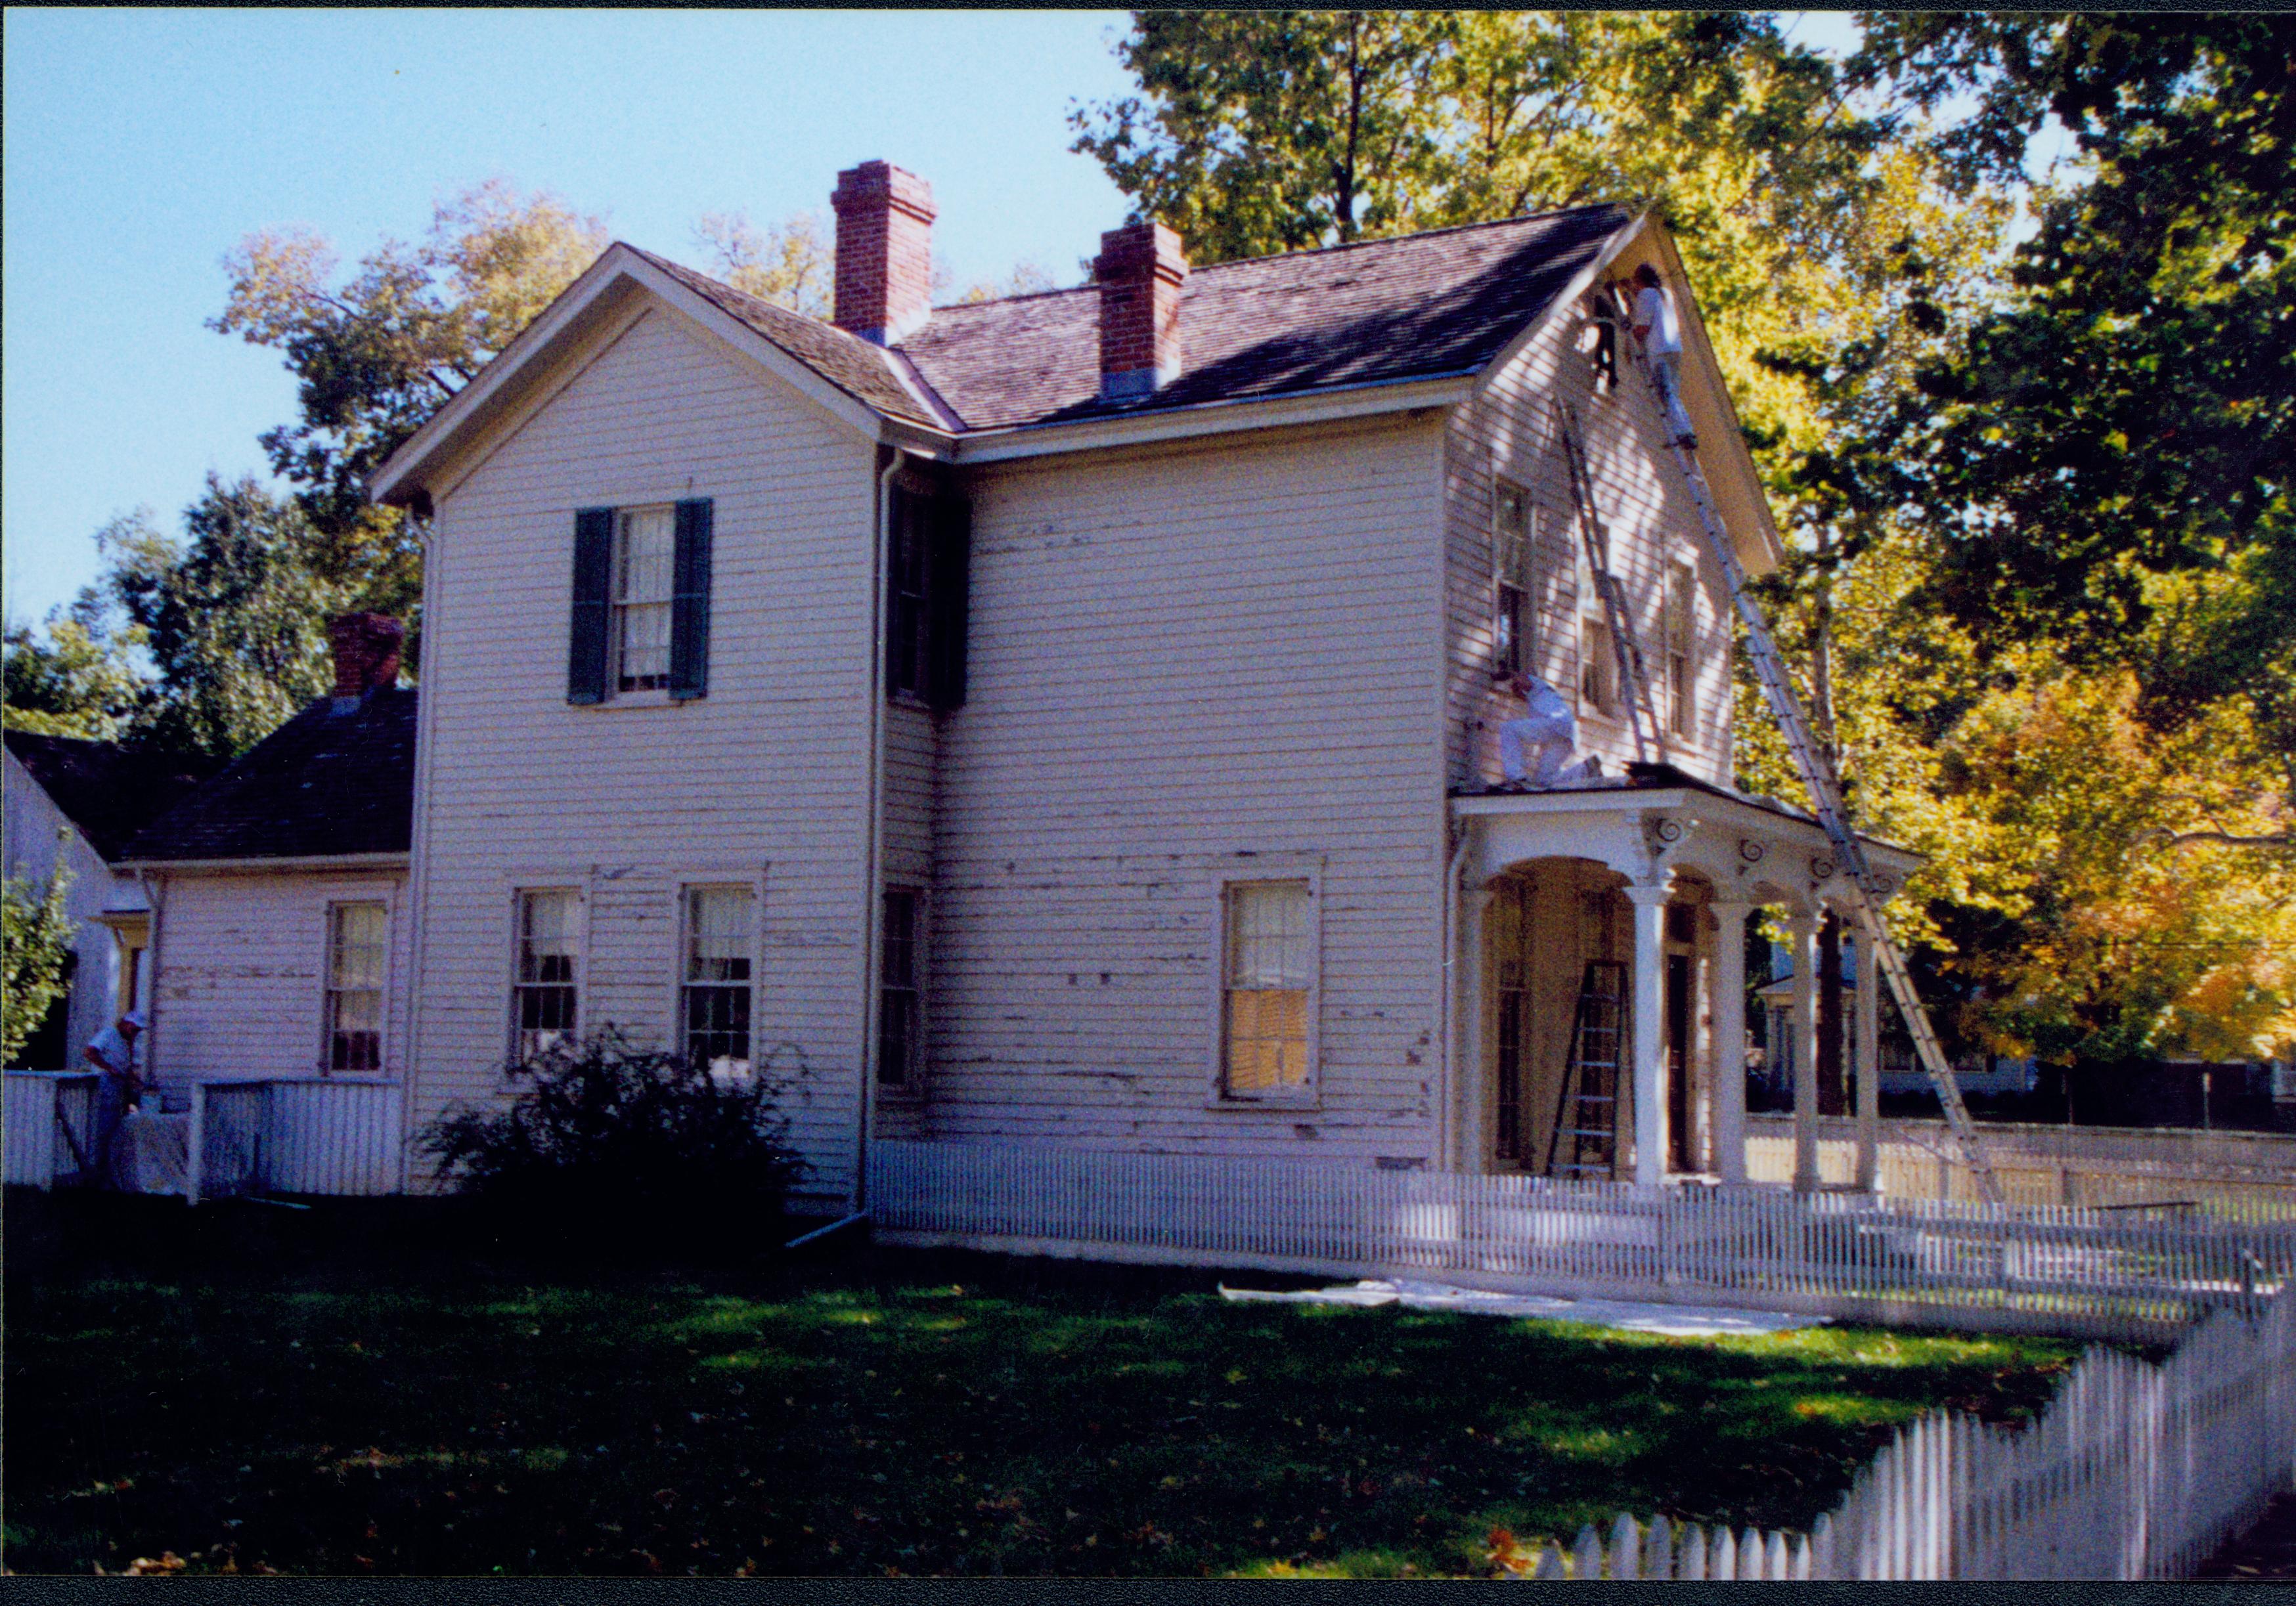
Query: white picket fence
[[2134, 1472], [291, 1135], [2093, 1273]]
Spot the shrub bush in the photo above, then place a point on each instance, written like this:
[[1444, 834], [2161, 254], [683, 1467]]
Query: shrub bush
[[608, 1146]]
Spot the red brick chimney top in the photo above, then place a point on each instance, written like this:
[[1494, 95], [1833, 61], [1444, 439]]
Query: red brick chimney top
[[884, 252], [1141, 271], [366, 648]]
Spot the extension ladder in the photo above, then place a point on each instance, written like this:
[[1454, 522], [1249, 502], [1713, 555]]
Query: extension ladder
[[1586, 1111], [1817, 770], [1626, 646]]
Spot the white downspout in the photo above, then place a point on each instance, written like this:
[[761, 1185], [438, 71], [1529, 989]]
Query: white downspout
[[873, 857], [155, 900]]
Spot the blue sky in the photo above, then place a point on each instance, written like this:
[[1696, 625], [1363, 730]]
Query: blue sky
[[141, 145]]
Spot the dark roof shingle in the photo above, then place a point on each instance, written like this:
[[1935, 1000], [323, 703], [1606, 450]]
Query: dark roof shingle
[[324, 784], [1414, 306], [107, 790]]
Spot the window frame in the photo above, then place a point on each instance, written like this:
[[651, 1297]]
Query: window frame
[[617, 606], [521, 887], [1512, 627], [912, 1084], [379, 898], [1682, 650], [1264, 870], [681, 983]]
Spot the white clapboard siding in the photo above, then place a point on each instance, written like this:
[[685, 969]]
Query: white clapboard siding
[[1216, 660], [240, 974], [1508, 429], [37, 840], [766, 777], [1918, 1263], [2132, 1471]]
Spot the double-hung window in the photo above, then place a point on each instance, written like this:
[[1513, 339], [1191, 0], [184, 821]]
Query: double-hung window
[[358, 941], [1598, 659], [1511, 551], [1681, 594], [640, 626], [1267, 994], [900, 1017], [646, 549], [926, 596], [719, 923], [543, 997]]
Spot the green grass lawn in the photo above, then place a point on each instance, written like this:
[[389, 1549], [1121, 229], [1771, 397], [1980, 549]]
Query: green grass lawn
[[362, 1388]]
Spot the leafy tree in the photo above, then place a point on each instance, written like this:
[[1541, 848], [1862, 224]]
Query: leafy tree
[[374, 356], [36, 954], [234, 617], [81, 681], [792, 265], [2110, 460]]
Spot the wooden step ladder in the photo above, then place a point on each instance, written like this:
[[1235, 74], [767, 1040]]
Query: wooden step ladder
[[1868, 892], [1587, 1113]]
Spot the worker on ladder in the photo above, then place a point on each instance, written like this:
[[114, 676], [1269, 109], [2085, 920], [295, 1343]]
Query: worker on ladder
[[1661, 334], [1550, 729]]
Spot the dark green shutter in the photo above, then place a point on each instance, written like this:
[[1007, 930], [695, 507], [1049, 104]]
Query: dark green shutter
[[689, 613], [594, 574], [947, 588]]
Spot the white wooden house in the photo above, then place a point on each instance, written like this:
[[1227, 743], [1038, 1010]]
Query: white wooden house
[[1065, 721]]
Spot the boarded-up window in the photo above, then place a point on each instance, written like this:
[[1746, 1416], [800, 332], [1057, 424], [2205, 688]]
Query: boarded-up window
[[358, 939], [899, 1019], [542, 999], [1681, 583], [1268, 995], [645, 553], [719, 926]]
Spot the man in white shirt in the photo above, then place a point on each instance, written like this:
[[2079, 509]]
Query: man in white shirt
[[113, 1052], [1549, 726], [1661, 337]]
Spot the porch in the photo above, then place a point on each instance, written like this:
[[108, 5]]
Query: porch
[[1599, 1025]]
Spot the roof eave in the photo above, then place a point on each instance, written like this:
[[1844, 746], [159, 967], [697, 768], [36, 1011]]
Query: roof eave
[[1322, 404], [283, 863]]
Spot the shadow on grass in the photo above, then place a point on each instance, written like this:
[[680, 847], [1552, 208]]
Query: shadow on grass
[[365, 1387]]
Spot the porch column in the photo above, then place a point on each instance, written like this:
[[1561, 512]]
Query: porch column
[[1728, 1006], [1474, 1150], [1867, 1052], [1802, 930], [1650, 1033]]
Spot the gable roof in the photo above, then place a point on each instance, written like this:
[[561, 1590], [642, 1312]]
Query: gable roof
[[1412, 306], [107, 791], [324, 785]]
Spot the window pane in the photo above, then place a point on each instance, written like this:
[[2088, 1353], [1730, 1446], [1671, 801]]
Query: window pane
[[717, 933], [643, 566], [1678, 581], [546, 937], [356, 944], [898, 1007], [1513, 532]]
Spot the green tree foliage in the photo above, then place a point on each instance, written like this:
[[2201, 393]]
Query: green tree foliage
[[82, 680], [36, 951], [2109, 456], [234, 615], [376, 354], [792, 265]]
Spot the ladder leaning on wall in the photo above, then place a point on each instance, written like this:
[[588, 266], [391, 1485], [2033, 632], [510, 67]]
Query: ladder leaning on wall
[[1815, 767], [1626, 646]]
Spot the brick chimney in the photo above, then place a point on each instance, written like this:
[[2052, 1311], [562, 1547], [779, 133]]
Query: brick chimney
[[884, 252], [1141, 270], [366, 653]]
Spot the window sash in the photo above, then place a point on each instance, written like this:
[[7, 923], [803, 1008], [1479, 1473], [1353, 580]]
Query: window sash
[[719, 932], [1267, 987], [357, 945], [1598, 671], [544, 993], [899, 1007], [645, 560], [1511, 532]]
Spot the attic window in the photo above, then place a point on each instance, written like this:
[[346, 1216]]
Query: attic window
[[644, 552]]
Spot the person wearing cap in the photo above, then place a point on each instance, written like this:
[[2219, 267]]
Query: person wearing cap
[[1656, 327], [113, 1052]]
